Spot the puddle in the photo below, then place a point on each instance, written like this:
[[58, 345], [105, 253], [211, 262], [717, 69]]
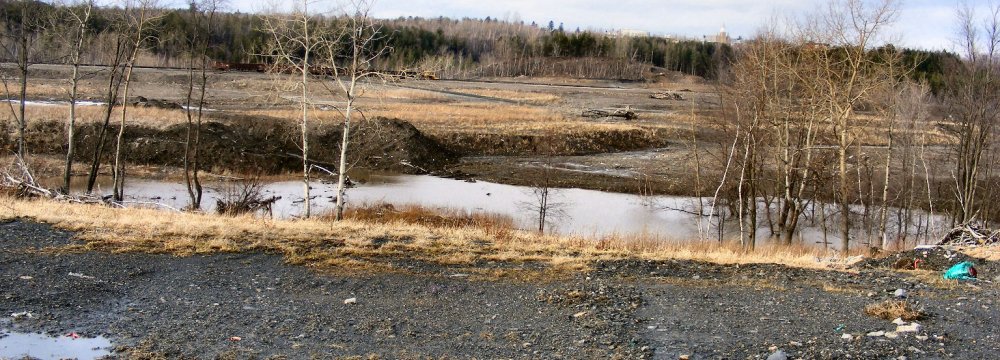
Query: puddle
[[15, 345]]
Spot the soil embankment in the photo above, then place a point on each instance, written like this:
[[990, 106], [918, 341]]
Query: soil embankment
[[253, 305], [261, 145]]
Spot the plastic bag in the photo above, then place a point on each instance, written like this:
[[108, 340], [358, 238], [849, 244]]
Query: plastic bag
[[961, 271]]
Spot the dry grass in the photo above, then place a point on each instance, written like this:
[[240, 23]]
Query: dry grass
[[893, 309], [363, 244], [991, 253], [156, 118], [435, 218], [527, 97], [407, 94], [465, 117]]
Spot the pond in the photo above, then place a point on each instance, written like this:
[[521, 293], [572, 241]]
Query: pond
[[587, 213]]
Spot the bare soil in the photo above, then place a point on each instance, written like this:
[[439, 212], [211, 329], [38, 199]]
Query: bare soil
[[241, 143], [153, 306]]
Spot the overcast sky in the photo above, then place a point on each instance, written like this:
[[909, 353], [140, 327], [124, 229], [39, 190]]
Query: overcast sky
[[928, 24]]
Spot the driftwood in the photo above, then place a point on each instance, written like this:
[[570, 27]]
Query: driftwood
[[626, 114], [666, 96], [22, 183], [971, 235]]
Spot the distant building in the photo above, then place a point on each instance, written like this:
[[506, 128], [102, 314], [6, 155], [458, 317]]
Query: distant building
[[631, 33], [723, 37]]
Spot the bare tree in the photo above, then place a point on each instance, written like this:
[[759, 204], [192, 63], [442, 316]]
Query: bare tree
[[202, 18], [22, 27], [115, 69], [78, 16], [295, 39], [363, 40], [974, 104], [139, 15], [850, 76]]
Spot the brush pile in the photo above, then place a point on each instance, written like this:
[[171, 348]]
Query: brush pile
[[971, 235], [626, 114]]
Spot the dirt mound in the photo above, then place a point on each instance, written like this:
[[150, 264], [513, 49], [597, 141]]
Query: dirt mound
[[486, 144], [259, 145], [935, 259]]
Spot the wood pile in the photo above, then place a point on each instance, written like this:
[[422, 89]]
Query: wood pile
[[626, 114], [971, 235], [666, 96]]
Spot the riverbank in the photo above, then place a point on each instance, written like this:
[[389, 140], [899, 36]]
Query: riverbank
[[193, 288]]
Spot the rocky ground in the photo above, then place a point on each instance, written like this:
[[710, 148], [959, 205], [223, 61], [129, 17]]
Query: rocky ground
[[255, 306]]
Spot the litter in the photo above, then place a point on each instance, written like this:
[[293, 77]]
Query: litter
[[961, 271], [23, 314], [82, 276]]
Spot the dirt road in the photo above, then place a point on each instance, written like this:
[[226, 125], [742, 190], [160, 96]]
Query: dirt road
[[197, 307]]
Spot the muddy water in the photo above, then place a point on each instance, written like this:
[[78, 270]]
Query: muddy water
[[586, 213], [580, 212], [37, 346]]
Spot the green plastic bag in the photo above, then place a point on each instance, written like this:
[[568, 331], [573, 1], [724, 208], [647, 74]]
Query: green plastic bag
[[961, 271]]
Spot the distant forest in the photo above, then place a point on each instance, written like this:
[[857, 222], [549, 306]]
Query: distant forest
[[453, 48]]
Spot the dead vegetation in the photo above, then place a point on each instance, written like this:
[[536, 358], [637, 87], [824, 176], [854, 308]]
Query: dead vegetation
[[244, 196], [894, 309], [368, 243]]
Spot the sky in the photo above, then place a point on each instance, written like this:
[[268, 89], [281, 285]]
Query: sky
[[925, 24]]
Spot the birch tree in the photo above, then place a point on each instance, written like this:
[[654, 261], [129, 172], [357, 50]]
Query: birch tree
[[295, 39], [138, 16], [78, 16], [352, 65], [202, 18]]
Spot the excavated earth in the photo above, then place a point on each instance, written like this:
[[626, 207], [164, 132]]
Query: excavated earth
[[254, 305]]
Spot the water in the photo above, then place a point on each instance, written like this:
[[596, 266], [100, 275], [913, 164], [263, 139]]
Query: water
[[583, 212], [15, 345], [587, 213], [55, 103]]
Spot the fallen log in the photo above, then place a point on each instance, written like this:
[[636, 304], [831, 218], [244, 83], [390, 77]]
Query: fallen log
[[666, 96], [626, 114]]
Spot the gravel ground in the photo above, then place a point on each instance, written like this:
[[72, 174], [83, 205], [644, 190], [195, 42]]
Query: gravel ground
[[159, 305]]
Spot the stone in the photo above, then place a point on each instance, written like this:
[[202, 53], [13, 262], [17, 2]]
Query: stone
[[847, 337], [879, 333], [794, 343], [580, 314], [891, 335], [921, 337], [351, 301], [684, 357], [914, 327], [899, 321], [900, 293], [778, 355]]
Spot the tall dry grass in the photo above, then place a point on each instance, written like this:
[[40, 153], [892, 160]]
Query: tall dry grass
[[526, 97], [152, 117], [366, 243]]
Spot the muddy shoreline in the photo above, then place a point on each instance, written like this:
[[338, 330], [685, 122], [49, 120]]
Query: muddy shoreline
[[159, 305]]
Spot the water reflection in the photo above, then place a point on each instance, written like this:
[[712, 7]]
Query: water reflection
[[587, 213], [15, 345]]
